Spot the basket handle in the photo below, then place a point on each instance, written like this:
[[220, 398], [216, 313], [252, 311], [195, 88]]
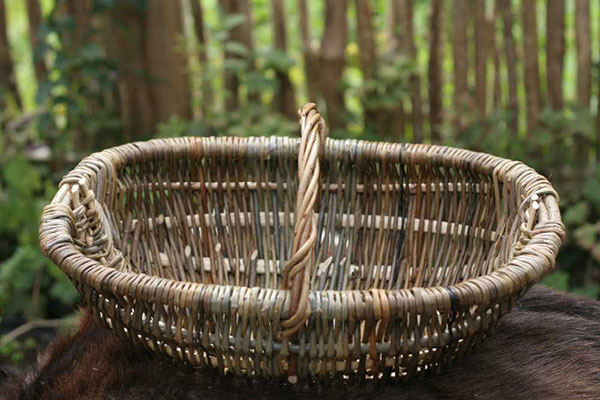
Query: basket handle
[[296, 272]]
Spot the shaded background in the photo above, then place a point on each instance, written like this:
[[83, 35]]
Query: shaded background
[[518, 79]]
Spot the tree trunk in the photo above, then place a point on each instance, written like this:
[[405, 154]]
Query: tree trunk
[[598, 128], [584, 53], [555, 51], [7, 76], [415, 81], [284, 101], [481, 53], [127, 47], [461, 100], [232, 82], [241, 34], [200, 31], [81, 11], [85, 31], [511, 64], [166, 66], [435, 69], [34, 13], [153, 81], [584, 74], [333, 46], [395, 39], [384, 122], [366, 38], [310, 55], [367, 54], [393, 121], [493, 43], [531, 68]]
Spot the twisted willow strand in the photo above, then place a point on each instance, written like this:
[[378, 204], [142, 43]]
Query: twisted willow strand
[[296, 273]]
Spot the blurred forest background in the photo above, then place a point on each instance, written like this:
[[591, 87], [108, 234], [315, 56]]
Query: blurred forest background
[[519, 79]]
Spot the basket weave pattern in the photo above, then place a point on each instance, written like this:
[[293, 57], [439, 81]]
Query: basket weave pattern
[[183, 246]]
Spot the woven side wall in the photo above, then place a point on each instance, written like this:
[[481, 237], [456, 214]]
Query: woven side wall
[[227, 218]]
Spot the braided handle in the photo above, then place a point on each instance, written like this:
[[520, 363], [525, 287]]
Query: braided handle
[[296, 273]]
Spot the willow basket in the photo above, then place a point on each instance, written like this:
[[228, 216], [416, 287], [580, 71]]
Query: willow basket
[[279, 257]]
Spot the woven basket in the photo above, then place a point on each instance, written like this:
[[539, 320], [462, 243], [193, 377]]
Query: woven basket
[[279, 257]]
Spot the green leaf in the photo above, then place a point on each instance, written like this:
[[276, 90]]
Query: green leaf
[[278, 60], [576, 214], [592, 191], [591, 290], [236, 48], [235, 65], [585, 236], [64, 291], [257, 82], [232, 21], [558, 280], [21, 176]]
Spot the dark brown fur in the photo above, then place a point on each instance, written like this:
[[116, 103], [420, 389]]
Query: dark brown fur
[[547, 348]]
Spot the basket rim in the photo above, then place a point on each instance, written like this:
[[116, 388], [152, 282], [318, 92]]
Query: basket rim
[[535, 258]]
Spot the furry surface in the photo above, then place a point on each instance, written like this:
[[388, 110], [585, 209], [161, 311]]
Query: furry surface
[[548, 347]]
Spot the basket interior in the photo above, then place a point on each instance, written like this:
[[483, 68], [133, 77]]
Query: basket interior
[[227, 218]]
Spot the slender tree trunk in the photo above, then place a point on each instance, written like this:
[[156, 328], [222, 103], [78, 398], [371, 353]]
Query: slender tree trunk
[[333, 46], [7, 76], [393, 121], [127, 47], [86, 30], [81, 11], [598, 124], [200, 31], [241, 34], [166, 66], [460, 61], [248, 41], [232, 82], [310, 55], [153, 80], [511, 63], [481, 54], [531, 67], [285, 100], [395, 38], [415, 81], [493, 43], [34, 13], [382, 121], [584, 52], [367, 56], [366, 37], [555, 51], [435, 69], [598, 127], [584, 71]]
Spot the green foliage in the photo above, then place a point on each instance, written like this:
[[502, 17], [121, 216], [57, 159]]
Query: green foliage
[[28, 281], [15, 351], [277, 60], [177, 127], [79, 85], [389, 85]]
